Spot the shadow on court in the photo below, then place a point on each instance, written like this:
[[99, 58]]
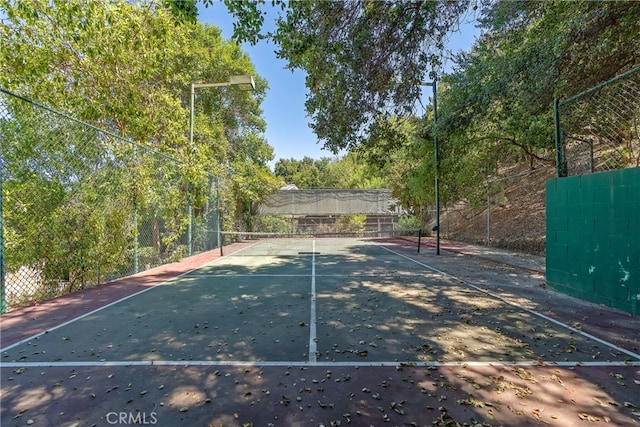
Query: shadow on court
[[330, 332]]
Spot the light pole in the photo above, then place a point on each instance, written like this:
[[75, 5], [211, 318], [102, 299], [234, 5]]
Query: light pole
[[434, 85], [241, 80]]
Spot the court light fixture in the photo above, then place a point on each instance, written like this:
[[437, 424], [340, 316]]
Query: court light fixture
[[244, 82]]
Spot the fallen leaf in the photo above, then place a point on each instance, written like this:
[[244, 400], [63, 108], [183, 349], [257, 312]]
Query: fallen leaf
[[585, 416]]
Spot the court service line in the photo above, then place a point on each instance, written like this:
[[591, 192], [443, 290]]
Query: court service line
[[223, 275], [312, 321], [506, 301], [9, 347], [301, 364]]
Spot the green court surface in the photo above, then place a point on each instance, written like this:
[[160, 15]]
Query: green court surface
[[334, 308]]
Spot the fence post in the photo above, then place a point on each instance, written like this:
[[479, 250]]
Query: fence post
[[136, 241], [561, 163], [488, 213], [218, 216], [3, 301], [190, 223]]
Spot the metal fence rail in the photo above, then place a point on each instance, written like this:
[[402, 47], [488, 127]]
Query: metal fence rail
[[81, 206], [599, 129]]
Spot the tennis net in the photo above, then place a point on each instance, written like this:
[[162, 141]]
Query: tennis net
[[411, 235]]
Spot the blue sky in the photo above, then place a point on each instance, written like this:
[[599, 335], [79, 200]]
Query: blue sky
[[288, 130]]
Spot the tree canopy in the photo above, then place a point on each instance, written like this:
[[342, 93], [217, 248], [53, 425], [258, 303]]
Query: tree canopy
[[350, 171], [76, 196], [365, 61], [128, 66]]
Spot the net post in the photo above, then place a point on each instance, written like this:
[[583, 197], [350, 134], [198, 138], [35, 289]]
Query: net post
[[419, 238]]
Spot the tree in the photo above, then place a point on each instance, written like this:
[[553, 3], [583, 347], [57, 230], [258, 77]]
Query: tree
[[250, 178], [350, 171], [353, 171], [125, 67], [305, 173], [561, 47], [405, 158], [500, 96], [363, 59], [85, 57]]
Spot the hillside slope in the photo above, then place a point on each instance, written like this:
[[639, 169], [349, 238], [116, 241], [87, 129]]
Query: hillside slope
[[516, 218]]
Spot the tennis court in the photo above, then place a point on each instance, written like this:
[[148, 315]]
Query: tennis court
[[332, 331]]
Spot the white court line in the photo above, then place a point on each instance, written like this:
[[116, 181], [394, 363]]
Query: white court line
[[313, 362], [244, 275], [198, 276], [107, 306], [297, 364], [80, 317], [312, 322], [506, 301]]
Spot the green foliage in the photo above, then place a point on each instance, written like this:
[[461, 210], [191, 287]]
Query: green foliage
[[272, 224], [305, 173], [409, 222], [248, 26], [125, 67], [85, 57], [496, 107], [65, 204], [350, 171], [350, 223], [363, 60], [183, 10]]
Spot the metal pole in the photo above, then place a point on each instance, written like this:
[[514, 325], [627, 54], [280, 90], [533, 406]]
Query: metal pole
[[561, 165], [434, 85], [136, 240], [591, 160], [190, 201], [3, 283], [435, 143], [218, 216], [488, 214], [190, 224], [243, 80]]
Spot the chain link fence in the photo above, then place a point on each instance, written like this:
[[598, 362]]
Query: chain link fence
[[82, 206], [599, 129], [509, 214]]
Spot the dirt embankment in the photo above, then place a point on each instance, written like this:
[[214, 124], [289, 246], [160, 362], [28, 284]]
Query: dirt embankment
[[515, 217]]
